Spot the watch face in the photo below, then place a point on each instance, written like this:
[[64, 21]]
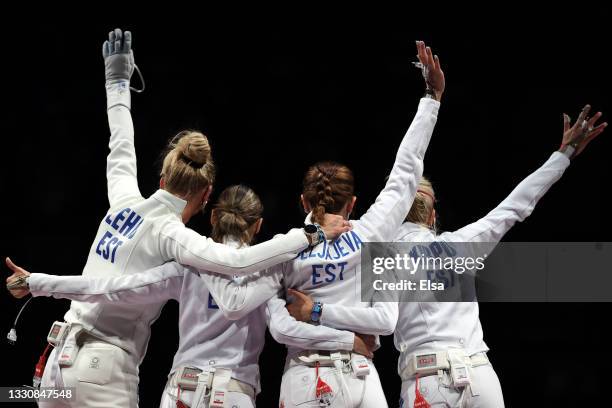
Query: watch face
[[310, 228], [314, 317]]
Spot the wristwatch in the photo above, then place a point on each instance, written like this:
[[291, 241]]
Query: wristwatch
[[314, 233], [315, 314]]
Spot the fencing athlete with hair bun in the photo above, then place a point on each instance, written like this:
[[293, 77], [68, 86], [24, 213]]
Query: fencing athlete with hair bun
[[222, 320], [451, 331], [325, 281], [138, 234]]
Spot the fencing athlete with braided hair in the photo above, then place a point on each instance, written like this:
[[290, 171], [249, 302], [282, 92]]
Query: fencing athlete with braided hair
[[325, 281], [138, 234], [451, 330], [222, 321]]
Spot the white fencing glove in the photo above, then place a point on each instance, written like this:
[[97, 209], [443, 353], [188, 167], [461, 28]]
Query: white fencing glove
[[118, 56]]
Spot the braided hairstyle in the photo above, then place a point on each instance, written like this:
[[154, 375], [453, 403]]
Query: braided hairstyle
[[236, 210], [188, 166], [328, 186]]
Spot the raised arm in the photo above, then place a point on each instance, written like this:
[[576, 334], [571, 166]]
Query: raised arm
[[190, 248], [384, 217], [152, 286], [121, 161], [523, 199]]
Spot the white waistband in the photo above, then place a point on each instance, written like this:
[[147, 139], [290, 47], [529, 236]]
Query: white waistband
[[428, 363], [324, 358], [234, 385]]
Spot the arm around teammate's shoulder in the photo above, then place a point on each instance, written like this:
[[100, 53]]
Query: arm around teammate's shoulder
[[189, 248]]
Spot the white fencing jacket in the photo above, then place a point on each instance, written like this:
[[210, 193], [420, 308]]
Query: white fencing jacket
[[138, 234], [429, 326], [207, 336], [331, 271]]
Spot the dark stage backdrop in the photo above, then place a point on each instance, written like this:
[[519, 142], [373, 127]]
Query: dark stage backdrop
[[274, 99]]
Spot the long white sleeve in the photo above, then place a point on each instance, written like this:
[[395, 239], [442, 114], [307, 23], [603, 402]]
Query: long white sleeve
[[153, 286], [392, 205], [121, 161], [237, 297], [516, 207], [188, 247], [286, 330], [380, 319]]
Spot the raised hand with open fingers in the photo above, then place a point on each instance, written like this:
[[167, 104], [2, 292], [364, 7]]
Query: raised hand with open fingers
[[582, 132], [118, 56], [17, 283], [431, 69]]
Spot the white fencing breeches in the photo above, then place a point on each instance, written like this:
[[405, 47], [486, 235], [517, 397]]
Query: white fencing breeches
[[103, 375], [439, 394], [169, 397], [298, 389]]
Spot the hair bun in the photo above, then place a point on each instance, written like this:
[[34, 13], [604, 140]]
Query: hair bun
[[237, 208], [194, 147], [188, 167]]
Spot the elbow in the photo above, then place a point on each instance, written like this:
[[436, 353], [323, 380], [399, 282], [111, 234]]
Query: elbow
[[387, 331], [388, 327], [278, 335]]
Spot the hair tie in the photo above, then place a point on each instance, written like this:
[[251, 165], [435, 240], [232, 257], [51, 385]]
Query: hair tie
[[194, 164]]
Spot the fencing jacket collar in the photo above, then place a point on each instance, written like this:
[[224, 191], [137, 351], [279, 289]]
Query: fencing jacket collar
[[409, 228], [174, 203]]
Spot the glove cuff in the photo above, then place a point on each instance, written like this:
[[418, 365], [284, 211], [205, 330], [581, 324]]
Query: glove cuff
[[118, 93]]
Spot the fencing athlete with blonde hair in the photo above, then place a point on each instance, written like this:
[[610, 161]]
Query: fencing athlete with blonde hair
[[452, 330], [138, 234], [222, 320]]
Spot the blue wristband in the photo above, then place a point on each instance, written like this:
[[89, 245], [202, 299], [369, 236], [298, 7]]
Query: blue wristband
[[315, 314]]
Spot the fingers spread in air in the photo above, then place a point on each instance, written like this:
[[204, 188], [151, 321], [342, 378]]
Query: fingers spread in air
[[127, 41], [597, 131], [111, 41], [580, 121], [594, 119], [105, 49], [430, 58], [566, 122], [118, 39], [592, 135], [421, 52], [437, 66]]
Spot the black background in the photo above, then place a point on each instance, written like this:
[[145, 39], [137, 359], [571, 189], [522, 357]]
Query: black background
[[278, 95]]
